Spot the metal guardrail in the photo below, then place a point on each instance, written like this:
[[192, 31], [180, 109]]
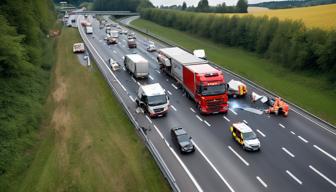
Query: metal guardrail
[[157, 157], [170, 43]]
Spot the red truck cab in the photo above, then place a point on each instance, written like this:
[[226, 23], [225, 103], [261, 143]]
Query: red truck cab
[[207, 86]]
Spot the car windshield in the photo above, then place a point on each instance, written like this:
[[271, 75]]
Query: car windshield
[[157, 100], [183, 138], [249, 136], [212, 89]]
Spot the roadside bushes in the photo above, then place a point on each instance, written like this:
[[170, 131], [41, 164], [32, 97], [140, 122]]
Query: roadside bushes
[[289, 43], [26, 57]]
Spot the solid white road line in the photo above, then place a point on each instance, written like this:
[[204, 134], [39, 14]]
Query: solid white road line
[[133, 79], [262, 182], [292, 133], [148, 119], [288, 152], [227, 119], [233, 111], [151, 77], [261, 133], [174, 86], [281, 125], [322, 175], [172, 106], [169, 92], [158, 132], [326, 153], [138, 83], [303, 139], [131, 98], [185, 168], [122, 86], [242, 159], [293, 176], [208, 124], [213, 167], [198, 117], [192, 109]]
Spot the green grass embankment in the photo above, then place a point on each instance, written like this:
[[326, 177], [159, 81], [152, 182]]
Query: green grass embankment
[[87, 141], [309, 91]]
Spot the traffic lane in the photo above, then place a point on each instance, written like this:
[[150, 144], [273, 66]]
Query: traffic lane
[[295, 152], [297, 111], [169, 123], [187, 186], [200, 166]]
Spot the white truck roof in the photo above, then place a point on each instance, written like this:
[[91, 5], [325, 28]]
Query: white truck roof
[[153, 89], [233, 84], [181, 56], [242, 127], [136, 58]]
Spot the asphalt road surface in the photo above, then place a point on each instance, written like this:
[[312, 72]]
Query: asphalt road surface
[[298, 153]]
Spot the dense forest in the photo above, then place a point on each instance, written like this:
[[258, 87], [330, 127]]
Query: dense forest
[[121, 5], [288, 43], [26, 58], [292, 3]]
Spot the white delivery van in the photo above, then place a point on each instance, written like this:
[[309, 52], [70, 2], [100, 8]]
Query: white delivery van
[[114, 34], [136, 65], [153, 100], [88, 29]]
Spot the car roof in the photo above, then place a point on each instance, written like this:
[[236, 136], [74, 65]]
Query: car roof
[[179, 131], [242, 127]]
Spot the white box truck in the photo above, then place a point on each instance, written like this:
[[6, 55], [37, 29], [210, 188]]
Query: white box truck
[[89, 29], [153, 100], [136, 65]]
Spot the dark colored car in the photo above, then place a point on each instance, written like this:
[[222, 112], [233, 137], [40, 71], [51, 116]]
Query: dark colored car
[[182, 140], [111, 40]]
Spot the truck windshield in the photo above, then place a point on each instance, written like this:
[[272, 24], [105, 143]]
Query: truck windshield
[[212, 89], [157, 100], [249, 136]]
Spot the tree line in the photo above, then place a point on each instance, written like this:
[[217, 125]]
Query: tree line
[[203, 6], [26, 57], [288, 42], [121, 5]]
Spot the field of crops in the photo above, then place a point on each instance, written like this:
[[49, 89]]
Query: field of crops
[[323, 16]]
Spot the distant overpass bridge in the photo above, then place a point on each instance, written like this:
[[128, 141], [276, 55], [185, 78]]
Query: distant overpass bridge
[[116, 13]]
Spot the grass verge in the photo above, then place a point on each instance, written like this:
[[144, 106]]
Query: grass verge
[[87, 141], [309, 91]]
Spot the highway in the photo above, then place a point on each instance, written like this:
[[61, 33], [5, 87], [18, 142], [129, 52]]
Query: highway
[[298, 153]]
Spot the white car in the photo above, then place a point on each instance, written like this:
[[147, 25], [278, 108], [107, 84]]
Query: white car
[[113, 64], [150, 46]]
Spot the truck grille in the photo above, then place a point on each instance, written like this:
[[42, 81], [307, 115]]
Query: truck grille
[[158, 110], [214, 105]]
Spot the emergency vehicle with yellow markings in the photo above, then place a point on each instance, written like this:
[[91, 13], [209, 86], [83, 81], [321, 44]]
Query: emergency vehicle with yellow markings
[[236, 88], [245, 136]]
